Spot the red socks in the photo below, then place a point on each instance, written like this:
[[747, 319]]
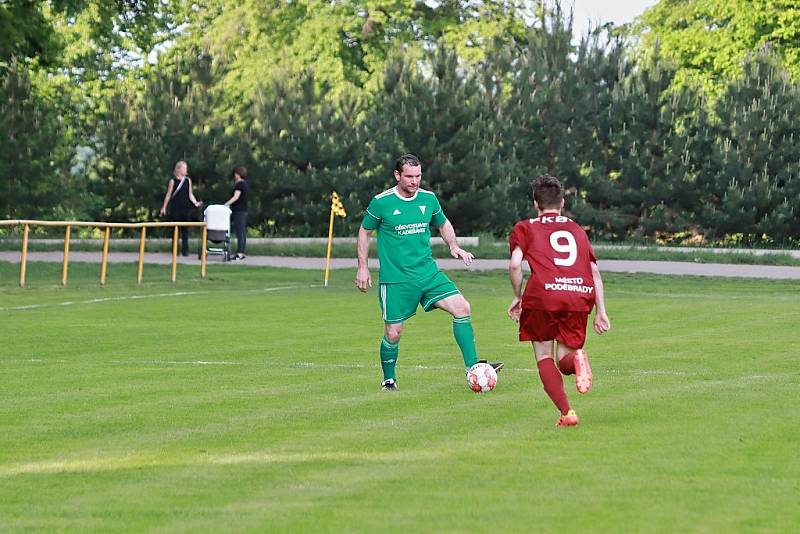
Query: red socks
[[553, 384], [567, 364]]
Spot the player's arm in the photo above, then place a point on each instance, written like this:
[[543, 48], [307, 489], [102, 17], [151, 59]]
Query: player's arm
[[449, 236], [601, 322], [516, 278], [363, 279]]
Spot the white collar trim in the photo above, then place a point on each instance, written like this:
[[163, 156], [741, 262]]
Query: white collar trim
[[405, 199]]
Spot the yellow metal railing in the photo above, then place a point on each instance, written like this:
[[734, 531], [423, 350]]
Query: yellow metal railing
[[106, 238]]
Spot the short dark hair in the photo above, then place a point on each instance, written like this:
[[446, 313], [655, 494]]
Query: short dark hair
[[548, 192], [406, 159], [241, 170]]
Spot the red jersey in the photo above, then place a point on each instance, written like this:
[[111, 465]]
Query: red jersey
[[560, 256]]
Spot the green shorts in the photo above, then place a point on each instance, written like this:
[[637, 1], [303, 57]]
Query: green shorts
[[399, 301]]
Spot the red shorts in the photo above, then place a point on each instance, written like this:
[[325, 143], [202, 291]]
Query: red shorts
[[568, 328]]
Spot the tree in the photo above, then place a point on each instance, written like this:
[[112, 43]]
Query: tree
[[751, 178], [87, 38], [645, 182], [708, 40], [143, 130], [29, 126], [25, 32], [555, 119], [440, 113], [346, 43], [305, 146]]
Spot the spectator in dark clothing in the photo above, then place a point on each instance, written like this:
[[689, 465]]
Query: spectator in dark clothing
[[179, 202], [238, 205]]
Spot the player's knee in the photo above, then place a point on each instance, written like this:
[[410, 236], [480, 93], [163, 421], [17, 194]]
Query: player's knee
[[463, 309], [393, 337], [392, 333]]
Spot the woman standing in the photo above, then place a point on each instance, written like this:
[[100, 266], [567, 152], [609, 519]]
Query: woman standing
[[238, 205], [179, 202]]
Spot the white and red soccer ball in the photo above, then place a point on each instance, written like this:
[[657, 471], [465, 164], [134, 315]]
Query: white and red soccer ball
[[481, 378]]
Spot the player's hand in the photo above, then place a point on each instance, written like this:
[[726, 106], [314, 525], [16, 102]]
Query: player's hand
[[515, 309], [363, 280], [465, 256], [601, 323], [162, 212]]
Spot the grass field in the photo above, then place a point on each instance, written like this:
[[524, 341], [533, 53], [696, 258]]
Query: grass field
[[249, 401]]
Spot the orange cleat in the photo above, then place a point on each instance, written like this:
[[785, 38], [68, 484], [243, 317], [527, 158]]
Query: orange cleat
[[571, 419], [583, 372]]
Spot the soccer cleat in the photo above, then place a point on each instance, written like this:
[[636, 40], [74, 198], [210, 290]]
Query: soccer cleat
[[495, 365], [570, 419], [389, 385], [583, 371]]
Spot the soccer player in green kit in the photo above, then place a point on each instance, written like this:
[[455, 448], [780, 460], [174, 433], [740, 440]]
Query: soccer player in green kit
[[409, 276]]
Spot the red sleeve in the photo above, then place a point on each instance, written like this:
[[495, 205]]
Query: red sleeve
[[518, 237]]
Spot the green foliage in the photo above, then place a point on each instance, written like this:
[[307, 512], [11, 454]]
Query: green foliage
[[432, 109], [87, 38], [346, 43], [556, 118], [709, 40], [307, 147], [140, 135], [643, 182], [29, 163], [752, 179], [25, 32]]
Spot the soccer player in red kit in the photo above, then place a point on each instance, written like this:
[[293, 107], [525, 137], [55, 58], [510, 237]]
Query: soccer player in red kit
[[564, 286]]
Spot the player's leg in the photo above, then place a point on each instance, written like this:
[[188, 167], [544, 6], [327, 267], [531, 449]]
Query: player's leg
[[457, 306], [398, 302], [566, 359], [390, 349], [552, 381], [571, 355], [539, 327], [440, 292]]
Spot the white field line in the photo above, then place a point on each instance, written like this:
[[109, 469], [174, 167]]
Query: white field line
[[507, 369], [334, 366], [126, 461], [113, 463], [155, 295]]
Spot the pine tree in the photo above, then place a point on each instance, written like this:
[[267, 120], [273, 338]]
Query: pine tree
[[645, 185], [307, 146], [431, 107], [29, 127], [559, 94], [144, 131], [752, 179]]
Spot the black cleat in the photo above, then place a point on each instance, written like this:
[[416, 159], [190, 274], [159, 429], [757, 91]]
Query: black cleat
[[495, 365], [389, 385]]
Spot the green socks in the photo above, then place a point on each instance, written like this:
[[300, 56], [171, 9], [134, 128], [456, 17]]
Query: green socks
[[465, 337], [389, 358]]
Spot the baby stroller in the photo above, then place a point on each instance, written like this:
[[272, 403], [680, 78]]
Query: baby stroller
[[218, 228]]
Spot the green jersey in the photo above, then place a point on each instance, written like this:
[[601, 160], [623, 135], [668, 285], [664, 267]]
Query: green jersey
[[404, 234]]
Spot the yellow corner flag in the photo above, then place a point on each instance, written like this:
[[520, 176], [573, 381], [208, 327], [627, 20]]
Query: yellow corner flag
[[337, 208]]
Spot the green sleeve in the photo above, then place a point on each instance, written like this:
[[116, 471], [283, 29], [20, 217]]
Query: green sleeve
[[372, 217], [438, 218]]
